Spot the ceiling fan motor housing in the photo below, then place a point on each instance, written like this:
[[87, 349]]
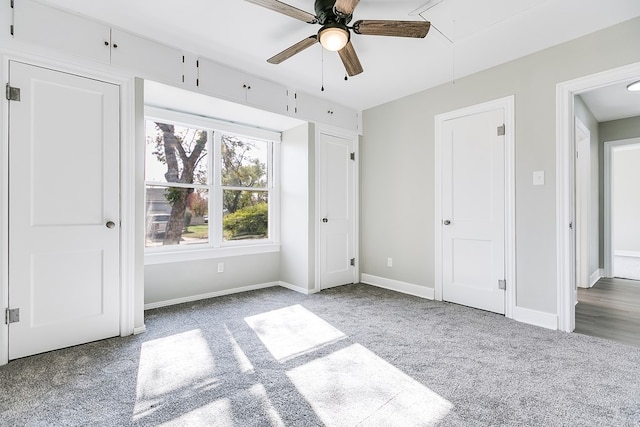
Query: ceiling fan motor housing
[[326, 14]]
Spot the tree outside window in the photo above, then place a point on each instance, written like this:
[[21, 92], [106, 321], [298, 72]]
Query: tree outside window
[[181, 185]]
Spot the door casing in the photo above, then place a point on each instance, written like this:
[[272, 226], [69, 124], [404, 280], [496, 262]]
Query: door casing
[[565, 182], [506, 103], [131, 310]]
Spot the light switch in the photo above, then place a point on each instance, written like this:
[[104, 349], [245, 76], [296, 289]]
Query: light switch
[[538, 178]]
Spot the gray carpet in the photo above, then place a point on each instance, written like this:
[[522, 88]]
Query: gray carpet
[[349, 356]]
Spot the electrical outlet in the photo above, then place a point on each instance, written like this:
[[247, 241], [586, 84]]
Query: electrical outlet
[[389, 262], [538, 178], [221, 267]]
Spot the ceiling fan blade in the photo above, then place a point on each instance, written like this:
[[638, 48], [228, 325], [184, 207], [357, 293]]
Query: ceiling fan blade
[[350, 60], [417, 29], [345, 7], [293, 50], [286, 9]]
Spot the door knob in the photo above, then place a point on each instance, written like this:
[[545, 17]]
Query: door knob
[[110, 224], [325, 220], [447, 222]]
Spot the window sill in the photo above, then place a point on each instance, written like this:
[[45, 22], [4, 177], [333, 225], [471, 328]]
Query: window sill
[[164, 257]]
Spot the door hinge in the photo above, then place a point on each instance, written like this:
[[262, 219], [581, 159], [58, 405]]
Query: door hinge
[[13, 93], [12, 315], [352, 261], [502, 284], [352, 156], [501, 130]]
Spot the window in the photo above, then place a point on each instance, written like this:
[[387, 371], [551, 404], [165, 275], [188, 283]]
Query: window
[[209, 184]]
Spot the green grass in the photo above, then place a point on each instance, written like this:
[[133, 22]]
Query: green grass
[[197, 231]]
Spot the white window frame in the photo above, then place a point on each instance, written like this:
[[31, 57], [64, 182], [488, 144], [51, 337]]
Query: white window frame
[[217, 247]]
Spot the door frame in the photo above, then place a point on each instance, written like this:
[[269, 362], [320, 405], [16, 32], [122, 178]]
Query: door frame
[[583, 206], [609, 252], [507, 103], [129, 289], [328, 130], [565, 181]]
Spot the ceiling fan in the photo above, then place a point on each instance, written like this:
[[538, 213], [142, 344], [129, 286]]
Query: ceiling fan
[[335, 35]]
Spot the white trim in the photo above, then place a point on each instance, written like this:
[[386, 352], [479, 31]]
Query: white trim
[[4, 215], [609, 147], [295, 288], [127, 207], [595, 276], [565, 92], [537, 318], [508, 105], [139, 330], [583, 202], [398, 286], [192, 298], [187, 119], [631, 254], [151, 258]]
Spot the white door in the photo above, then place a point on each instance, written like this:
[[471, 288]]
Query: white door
[[63, 210], [336, 197], [473, 211]]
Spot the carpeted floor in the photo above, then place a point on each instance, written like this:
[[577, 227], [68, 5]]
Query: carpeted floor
[[349, 356]]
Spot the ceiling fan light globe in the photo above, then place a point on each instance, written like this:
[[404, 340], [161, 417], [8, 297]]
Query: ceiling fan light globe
[[333, 38]]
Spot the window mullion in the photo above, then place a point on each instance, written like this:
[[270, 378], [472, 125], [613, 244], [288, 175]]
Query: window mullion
[[216, 182]]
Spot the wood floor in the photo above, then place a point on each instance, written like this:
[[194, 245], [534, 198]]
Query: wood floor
[[610, 309]]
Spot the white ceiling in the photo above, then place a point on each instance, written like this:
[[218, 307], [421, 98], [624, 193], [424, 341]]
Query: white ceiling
[[243, 35], [613, 102]]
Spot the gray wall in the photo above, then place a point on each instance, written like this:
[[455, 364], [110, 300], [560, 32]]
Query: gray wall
[[397, 161], [587, 118], [613, 130], [174, 280]]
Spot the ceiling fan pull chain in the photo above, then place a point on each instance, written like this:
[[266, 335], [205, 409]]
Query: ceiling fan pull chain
[[322, 69]]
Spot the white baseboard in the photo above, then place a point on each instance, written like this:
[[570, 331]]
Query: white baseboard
[[537, 318], [398, 286], [595, 276], [632, 254], [209, 295], [299, 289], [139, 330]]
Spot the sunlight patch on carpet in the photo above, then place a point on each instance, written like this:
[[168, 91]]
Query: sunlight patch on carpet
[[292, 331], [172, 366], [353, 386]]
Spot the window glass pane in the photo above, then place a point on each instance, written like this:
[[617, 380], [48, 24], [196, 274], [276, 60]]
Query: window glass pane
[[176, 216], [244, 162], [246, 215], [175, 153]]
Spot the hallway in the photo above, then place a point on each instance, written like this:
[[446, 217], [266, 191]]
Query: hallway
[[610, 309]]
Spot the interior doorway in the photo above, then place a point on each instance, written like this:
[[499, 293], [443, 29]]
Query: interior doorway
[[622, 208], [566, 185]]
